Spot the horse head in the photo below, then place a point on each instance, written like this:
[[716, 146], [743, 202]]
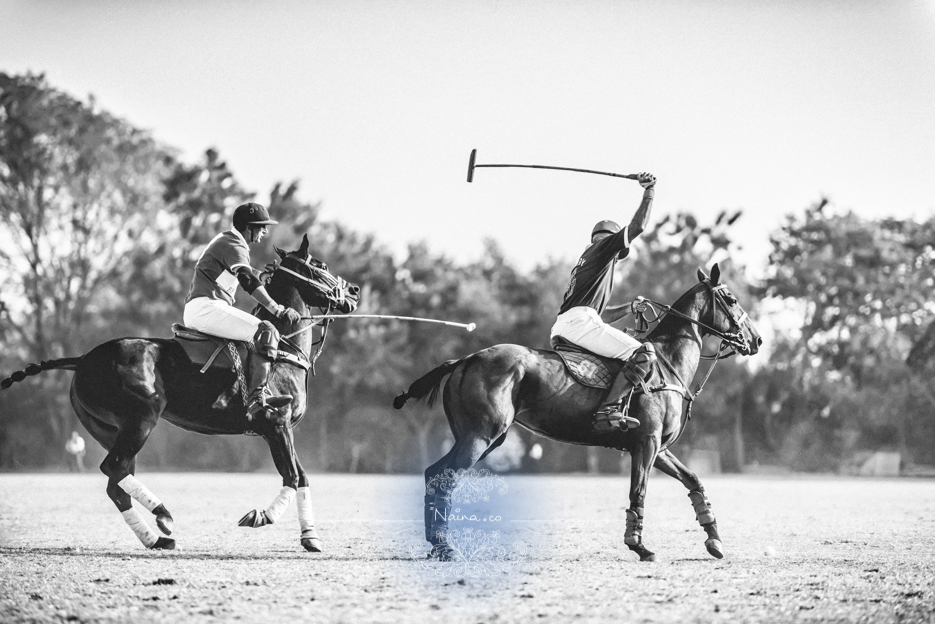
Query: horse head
[[312, 282], [723, 315]]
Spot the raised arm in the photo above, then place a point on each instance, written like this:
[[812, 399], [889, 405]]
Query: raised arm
[[641, 218]]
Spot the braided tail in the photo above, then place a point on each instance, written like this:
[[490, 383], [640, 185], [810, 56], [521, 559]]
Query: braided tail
[[427, 384], [70, 364]]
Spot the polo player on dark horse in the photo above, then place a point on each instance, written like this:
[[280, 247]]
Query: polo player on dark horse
[[209, 307], [579, 318]]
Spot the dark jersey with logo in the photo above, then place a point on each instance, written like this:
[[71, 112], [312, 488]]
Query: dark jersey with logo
[[592, 279]]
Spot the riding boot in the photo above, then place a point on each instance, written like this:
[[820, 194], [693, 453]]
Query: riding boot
[[260, 400], [636, 370]]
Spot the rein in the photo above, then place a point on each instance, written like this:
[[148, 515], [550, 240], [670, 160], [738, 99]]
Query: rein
[[729, 345], [311, 358]]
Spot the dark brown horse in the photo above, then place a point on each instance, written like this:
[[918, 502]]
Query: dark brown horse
[[122, 387], [490, 390]]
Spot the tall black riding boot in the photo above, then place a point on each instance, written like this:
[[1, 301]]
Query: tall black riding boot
[[635, 371]]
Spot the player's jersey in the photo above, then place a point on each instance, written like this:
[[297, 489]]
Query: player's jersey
[[592, 279], [215, 272]]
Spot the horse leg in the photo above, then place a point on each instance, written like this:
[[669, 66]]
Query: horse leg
[[642, 458], [464, 454], [141, 494], [123, 486], [303, 500], [279, 439], [670, 465]]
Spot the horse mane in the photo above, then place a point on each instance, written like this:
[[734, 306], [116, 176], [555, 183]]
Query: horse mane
[[668, 321]]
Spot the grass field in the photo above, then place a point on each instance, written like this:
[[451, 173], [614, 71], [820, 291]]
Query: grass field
[[798, 549]]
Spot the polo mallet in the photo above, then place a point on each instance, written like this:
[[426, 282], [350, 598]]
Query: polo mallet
[[472, 165]]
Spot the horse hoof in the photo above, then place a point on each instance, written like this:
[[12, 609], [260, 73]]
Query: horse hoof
[[648, 556], [254, 519], [164, 543], [312, 544], [165, 524], [714, 548], [440, 552]]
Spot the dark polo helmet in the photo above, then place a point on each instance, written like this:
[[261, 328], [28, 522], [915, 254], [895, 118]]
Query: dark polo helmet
[[605, 226], [251, 213]]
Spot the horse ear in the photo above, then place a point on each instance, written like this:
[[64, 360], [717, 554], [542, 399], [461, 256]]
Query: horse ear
[[701, 275], [279, 252], [715, 274], [303, 250]]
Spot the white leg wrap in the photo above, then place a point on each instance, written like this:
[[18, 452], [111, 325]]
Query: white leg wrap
[[280, 503], [138, 525], [139, 492], [304, 503]]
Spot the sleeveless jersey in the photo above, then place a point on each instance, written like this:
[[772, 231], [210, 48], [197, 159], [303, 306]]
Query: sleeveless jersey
[[592, 279], [215, 271]]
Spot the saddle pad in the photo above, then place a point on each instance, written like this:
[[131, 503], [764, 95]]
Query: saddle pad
[[588, 369]]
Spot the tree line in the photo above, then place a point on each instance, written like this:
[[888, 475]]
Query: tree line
[[102, 225]]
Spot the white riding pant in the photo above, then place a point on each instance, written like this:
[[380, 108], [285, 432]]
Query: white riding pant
[[583, 326], [218, 318]]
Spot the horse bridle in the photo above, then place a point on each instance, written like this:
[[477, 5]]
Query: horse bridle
[[307, 262], [733, 341]]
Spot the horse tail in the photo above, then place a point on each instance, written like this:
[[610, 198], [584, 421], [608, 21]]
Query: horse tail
[[427, 384], [70, 364]]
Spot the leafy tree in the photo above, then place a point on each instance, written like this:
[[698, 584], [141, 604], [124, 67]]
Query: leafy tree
[[77, 186]]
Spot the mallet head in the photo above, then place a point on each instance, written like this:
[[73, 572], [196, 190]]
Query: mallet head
[[471, 165], [471, 327]]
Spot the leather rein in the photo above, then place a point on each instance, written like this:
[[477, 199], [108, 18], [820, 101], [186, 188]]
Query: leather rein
[[732, 341], [299, 358]]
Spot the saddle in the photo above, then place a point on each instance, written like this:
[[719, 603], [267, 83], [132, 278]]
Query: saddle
[[210, 351], [587, 368]]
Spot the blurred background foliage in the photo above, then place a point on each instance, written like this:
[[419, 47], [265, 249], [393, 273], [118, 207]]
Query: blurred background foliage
[[101, 226]]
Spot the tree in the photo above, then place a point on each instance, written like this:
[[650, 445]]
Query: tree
[[77, 188], [864, 287]]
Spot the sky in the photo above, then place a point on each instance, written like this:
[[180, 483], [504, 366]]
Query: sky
[[375, 106]]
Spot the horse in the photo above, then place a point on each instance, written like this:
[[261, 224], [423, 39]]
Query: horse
[[490, 390], [121, 388]]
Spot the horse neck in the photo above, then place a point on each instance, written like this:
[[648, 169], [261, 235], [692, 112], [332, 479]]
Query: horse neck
[[677, 338], [289, 296]]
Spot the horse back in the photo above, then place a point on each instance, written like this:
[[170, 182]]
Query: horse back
[[544, 397]]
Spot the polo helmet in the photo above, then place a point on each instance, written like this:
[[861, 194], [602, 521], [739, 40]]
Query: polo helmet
[[610, 227], [251, 213]]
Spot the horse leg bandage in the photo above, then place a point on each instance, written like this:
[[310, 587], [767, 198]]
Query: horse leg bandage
[[280, 504], [634, 533], [304, 503], [138, 525], [139, 492], [702, 507]]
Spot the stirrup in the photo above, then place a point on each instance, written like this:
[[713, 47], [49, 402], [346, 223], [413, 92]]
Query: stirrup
[[262, 401], [612, 417]]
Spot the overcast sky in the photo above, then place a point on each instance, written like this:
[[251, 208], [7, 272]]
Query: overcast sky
[[375, 106]]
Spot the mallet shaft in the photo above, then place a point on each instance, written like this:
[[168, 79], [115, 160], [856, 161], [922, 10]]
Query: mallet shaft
[[472, 165]]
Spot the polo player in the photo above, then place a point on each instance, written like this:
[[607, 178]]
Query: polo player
[[209, 307], [586, 298]]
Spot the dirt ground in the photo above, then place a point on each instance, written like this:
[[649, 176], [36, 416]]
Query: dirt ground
[[798, 549]]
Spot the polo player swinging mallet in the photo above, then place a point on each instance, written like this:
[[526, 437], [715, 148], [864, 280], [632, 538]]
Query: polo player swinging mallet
[[209, 307], [579, 318]]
